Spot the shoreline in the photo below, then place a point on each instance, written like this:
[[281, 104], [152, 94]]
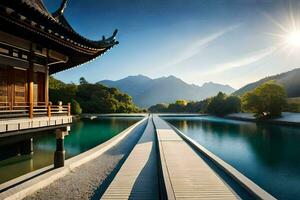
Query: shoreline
[[283, 120]]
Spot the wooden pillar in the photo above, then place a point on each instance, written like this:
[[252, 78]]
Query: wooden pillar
[[47, 85], [31, 93], [47, 80], [30, 81], [49, 110]]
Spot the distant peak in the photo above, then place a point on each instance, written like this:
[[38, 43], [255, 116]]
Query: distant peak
[[172, 77], [139, 75], [210, 83]]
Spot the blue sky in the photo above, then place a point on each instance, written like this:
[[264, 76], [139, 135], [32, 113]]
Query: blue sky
[[225, 41]]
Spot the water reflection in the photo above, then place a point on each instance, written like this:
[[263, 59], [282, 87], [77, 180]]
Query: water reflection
[[85, 134], [267, 154]]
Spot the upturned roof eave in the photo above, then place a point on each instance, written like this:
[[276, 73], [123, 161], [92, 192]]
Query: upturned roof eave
[[47, 21]]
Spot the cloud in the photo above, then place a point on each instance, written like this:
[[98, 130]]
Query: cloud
[[196, 46], [244, 61]]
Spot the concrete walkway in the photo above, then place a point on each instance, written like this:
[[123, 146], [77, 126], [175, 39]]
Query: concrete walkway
[[138, 178], [84, 181], [186, 175]]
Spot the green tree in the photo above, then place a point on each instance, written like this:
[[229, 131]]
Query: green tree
[[91, 98], [75, 107], [267, 100], [233, 104], [177, 107], [216, 104], [158, 108], [181, 102], [82, 81], [221, 104]]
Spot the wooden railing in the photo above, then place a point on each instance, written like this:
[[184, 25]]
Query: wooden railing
[[37, 109]]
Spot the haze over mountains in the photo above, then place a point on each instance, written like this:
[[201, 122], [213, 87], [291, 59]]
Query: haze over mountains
[[290, 80], [147, 92]]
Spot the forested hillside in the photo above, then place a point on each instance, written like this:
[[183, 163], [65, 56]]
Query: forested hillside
[[289, 80], [91, 98]]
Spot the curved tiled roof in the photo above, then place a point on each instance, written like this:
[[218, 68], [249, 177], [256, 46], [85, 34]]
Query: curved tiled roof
[[32, 17]]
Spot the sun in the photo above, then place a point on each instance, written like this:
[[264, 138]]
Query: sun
[[286, 30], [293, 38]]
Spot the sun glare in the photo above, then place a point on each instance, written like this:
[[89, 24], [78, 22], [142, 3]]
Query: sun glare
[[288, 33], [293, 38]]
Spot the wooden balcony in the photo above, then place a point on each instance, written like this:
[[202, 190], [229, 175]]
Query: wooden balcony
[[25, 116]]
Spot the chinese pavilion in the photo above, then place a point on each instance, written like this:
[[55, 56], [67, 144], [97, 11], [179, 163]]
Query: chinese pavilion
[[34, 44]]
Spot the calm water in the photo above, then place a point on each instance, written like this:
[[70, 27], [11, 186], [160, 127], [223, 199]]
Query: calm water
[[84, 135], [267, 154]]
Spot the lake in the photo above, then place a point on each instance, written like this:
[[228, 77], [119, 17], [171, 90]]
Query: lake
[[267, 154], [84, 135]]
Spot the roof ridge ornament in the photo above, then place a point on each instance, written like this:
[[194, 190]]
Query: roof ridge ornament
[[61, 9]]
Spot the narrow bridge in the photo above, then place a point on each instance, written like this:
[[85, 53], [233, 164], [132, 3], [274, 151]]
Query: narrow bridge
[[163, 165]]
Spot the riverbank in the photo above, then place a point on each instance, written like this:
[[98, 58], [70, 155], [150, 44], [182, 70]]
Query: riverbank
[[287, 118]]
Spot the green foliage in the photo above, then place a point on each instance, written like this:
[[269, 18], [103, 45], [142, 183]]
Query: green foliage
[[75, 107], [267, 100], [218, 105], [181, 102], [91, 98], [293, 105], [55, 84], [158, 108], [59, 91], [223, 105], [82, 81]]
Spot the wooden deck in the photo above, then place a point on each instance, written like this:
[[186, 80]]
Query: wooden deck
[[186, 175], [138, 177]]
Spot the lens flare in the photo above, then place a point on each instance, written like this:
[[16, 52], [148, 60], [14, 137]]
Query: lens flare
[[293, 38]]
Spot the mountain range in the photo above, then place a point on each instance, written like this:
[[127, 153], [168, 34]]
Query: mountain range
[[147, 92], [290, 80]]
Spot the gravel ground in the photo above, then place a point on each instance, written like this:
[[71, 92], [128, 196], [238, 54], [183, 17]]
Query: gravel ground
[[89, 180]]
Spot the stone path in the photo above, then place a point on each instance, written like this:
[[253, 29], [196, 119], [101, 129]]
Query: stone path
[[86, 179], [138, 176], [186, 174]]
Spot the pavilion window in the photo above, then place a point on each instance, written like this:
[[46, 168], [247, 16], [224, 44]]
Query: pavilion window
[[20, 89]]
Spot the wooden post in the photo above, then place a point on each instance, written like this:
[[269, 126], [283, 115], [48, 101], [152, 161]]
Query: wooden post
[[47, 80], [69, 109], [31, 94], [31, 83], [49, 110]]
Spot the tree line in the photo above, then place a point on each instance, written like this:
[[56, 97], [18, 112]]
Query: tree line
[[267, 100], [221, 104], [90, 98]]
